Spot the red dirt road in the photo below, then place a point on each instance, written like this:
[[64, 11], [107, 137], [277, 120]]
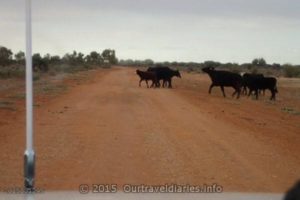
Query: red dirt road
[[108, 130]]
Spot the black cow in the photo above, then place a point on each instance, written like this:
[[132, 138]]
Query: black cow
[[164, 73], [224, 79], [246, 77], [262, 83], [293, 193], [145, 76]]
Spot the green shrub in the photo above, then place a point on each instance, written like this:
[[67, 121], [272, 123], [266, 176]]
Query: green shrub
[[36, 76], [291, 71], [10, 72]]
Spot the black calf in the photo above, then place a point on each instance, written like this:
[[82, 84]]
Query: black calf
[[262, 83], [145, 76]]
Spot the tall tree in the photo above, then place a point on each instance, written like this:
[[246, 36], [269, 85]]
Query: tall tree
[[55, 60], [40, 63], [5, 56], [259, 62], [94, 58], [109, 56], [20, 57]]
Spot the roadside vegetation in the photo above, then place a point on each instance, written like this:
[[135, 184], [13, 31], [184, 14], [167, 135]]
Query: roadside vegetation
[[13, 64], [258, 65]]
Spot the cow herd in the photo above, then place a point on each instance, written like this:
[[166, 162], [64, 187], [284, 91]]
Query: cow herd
[[245, 84]]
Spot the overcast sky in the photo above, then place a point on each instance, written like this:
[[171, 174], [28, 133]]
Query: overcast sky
[[163, 30]]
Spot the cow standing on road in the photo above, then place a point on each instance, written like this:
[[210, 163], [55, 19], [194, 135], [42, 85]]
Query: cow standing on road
[[224, 79], [146, 76], [246, 78], [255, 83], [164, 73]]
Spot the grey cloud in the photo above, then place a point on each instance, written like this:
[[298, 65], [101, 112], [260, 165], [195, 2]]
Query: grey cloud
[[283, 8], [203, 8]]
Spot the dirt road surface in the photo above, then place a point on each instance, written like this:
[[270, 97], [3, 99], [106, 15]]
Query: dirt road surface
[[109, 130]]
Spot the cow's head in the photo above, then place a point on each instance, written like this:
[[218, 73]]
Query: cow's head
[[208, 69], [177, 73]]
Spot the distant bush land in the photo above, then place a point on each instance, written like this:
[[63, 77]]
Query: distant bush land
[[13, 65], [258, 65]]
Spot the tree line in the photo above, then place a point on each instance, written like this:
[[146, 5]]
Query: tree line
[[42, 63], [257, 65], [257, 62], [77, 60]]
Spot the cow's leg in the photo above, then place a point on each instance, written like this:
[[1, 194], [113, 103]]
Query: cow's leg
[[235, 90], [210, 88], [170, 82], [153, 82], [147, 83], [140, 82], [158, 83], [238, 90], [244, 90], [256, 94], [165, 83], [222, 88], [273, 95], [250, 91]]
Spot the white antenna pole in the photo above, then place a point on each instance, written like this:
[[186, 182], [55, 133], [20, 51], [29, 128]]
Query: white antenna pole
[[29, 155]]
